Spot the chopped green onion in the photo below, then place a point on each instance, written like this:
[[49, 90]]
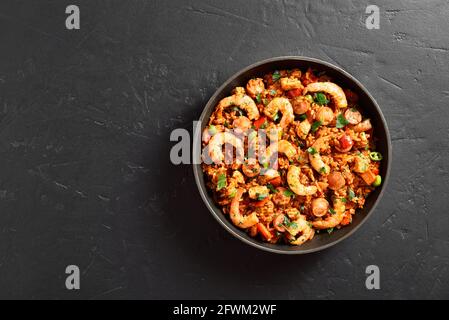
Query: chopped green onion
[[311, 150], [331, 211], [276, 76], [330, 230], [302, 117], [276, 117], [258, 98], [221, 182]]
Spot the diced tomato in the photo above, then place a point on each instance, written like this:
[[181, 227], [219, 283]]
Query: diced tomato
[[346, 143], [375, 171], [264, 231], [259, 122], [294, 93], [275, 182], [261, 202]]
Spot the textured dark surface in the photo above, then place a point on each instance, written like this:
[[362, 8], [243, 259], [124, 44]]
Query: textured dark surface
[[85, 176]]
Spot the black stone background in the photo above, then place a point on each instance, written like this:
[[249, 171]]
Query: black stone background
[[85, 119]]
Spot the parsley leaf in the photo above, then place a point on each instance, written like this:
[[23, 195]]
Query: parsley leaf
[[316, 125], [351, 194], [221, 183], [320, 98], [343, 200], [330, 230], [331, 211], [258, 98], [311, 150], [271, 188], [341, 121], [276, 76], [261, 196], [323, 170], [288, 193], [302, 117], [272, 92]]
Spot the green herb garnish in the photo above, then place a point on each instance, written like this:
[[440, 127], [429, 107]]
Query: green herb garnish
[[320, 98], [323, 170], [272, 188], [351, 194], [341, 121], [311, 150], [288, 193], [276, 76], [302, 117], [330, 230], [258, 98], [316, 125], [221, 183], [261, 196]]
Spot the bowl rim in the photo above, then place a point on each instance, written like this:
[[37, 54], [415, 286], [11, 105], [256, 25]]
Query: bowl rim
[[196, 167]]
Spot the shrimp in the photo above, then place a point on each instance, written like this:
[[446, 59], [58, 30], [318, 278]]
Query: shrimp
[[284, 106], [315, 158], [290, 84], [270, 174], [283, 146], [258, 191], [365, 125], [241, 124], [331, 89], [237, 218], [333, 220], [300, 225], [303, 128], [216, 143], [255, 87], [295, 185], [240, 100]]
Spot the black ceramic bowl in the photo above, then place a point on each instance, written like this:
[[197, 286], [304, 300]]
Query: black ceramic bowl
[[370, 109]]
